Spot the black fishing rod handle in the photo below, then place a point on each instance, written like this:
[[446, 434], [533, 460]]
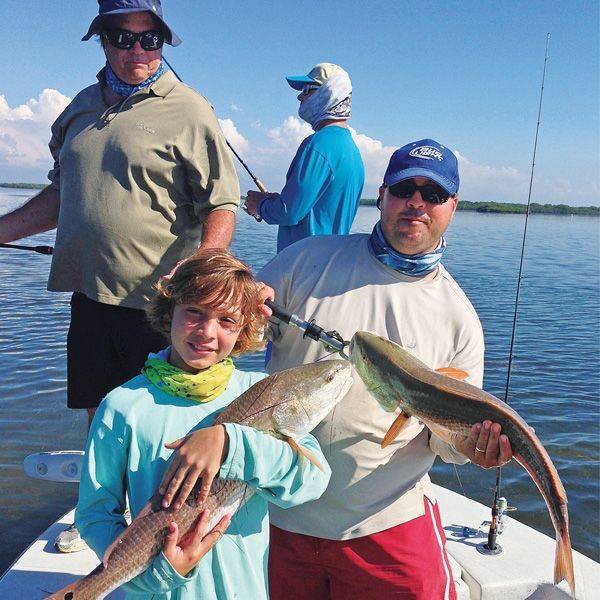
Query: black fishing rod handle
[[278, 311]]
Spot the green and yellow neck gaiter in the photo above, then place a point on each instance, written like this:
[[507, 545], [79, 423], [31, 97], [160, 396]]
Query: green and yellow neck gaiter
[[203, 386]]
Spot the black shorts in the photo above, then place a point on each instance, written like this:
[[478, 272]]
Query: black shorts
[[106, 346]]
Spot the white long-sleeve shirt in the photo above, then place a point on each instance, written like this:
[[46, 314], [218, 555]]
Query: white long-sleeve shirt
[[337, 281]]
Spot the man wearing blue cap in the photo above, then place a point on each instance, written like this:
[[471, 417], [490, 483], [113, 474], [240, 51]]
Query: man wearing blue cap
[[325, 180], [142, 176], [376, 531]]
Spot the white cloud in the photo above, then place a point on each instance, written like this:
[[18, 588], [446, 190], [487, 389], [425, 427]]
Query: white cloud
[[375, 157], [24, 156], [290, 134], [481, 182], [234, 107], [233, 136], [25, 129]]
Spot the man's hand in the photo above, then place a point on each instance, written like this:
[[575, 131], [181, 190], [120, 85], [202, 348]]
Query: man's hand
[[253, 199], [484, 446], [187, 553], [199, 454], [267, 293]]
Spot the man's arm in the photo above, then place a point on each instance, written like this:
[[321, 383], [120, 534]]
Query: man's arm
[[217, 229], [307, 180], [38, 214]]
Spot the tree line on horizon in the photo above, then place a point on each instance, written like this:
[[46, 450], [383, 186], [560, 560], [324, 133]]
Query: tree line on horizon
[[481, 207], [514, 208]]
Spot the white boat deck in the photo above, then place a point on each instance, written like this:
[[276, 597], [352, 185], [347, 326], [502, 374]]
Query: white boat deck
[[523, 570]]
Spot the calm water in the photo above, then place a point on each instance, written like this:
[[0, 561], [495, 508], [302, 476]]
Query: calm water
[[555, 383]]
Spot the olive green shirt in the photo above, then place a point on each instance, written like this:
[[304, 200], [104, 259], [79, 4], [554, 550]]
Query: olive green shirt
[[136, 181]]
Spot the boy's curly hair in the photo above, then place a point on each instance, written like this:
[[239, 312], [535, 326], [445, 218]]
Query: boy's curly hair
[[215, 279]]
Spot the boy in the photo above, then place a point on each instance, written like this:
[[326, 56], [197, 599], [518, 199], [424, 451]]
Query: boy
[[210, 308]]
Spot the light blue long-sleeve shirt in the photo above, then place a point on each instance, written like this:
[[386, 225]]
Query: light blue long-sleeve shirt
[[322, 190], [125, 453]]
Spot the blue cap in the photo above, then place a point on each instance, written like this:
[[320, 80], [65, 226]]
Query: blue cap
[[425, 158], [299, 81], [120, 7]]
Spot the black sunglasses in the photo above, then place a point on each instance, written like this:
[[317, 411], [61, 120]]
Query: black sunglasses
[[430, 192], [125, 39]]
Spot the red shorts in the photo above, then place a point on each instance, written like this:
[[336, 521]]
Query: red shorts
[[406, 561]]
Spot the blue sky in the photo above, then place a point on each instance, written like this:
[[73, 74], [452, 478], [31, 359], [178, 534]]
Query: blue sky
[[465, 73]]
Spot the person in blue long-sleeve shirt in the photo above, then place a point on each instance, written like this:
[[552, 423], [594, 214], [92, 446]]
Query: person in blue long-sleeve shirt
[[325, 180], [211, 307]]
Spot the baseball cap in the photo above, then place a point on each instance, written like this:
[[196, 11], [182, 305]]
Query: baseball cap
[[425, 158], [120, 7], [319, 74]]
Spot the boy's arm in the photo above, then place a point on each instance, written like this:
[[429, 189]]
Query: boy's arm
[[272, 468], [99, 514]]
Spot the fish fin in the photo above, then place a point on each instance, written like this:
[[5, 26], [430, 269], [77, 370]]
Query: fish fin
[[441, 432], [397, 426], [304, 452], [452, 372], [563, 561]]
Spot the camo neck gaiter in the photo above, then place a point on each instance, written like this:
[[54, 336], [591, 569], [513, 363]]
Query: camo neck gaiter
[[204, 386], [125, 89], [415, 265]]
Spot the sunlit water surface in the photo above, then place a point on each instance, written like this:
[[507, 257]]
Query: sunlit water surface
[[554, 384]]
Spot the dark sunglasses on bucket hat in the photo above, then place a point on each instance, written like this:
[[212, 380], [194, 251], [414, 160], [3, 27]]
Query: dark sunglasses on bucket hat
[[107, 8]]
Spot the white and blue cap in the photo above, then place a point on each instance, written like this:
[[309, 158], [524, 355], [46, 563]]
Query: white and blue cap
[[425, 158], [318, 75], [121, 7]]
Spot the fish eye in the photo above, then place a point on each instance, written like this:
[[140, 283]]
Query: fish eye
[[330, 376]]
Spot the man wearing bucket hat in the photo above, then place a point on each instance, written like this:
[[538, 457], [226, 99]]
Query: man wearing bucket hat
[[376, 531], [142, 176], [325, 180]]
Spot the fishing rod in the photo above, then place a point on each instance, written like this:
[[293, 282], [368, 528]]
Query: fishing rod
[[259, 184], [332, 340], [38, 249], [491, 547]]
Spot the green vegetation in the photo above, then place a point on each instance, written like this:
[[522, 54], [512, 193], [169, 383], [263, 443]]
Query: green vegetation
[[24, 186], [501, 207], [547, 209]]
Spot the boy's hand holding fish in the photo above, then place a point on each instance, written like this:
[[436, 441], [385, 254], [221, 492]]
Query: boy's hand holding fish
[[202, 457], [185, 554]]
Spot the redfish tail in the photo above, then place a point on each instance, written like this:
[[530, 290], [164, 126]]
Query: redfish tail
[[563, 563], [67, 593]]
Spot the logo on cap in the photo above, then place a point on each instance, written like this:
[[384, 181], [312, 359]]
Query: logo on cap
[[426, 152]]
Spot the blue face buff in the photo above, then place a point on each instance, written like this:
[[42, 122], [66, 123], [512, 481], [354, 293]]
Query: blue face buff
[[412, 265], [125, 89]]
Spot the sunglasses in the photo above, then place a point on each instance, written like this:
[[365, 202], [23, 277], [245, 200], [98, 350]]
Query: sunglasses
[[125, 39], [309, 87], [430, 192]]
